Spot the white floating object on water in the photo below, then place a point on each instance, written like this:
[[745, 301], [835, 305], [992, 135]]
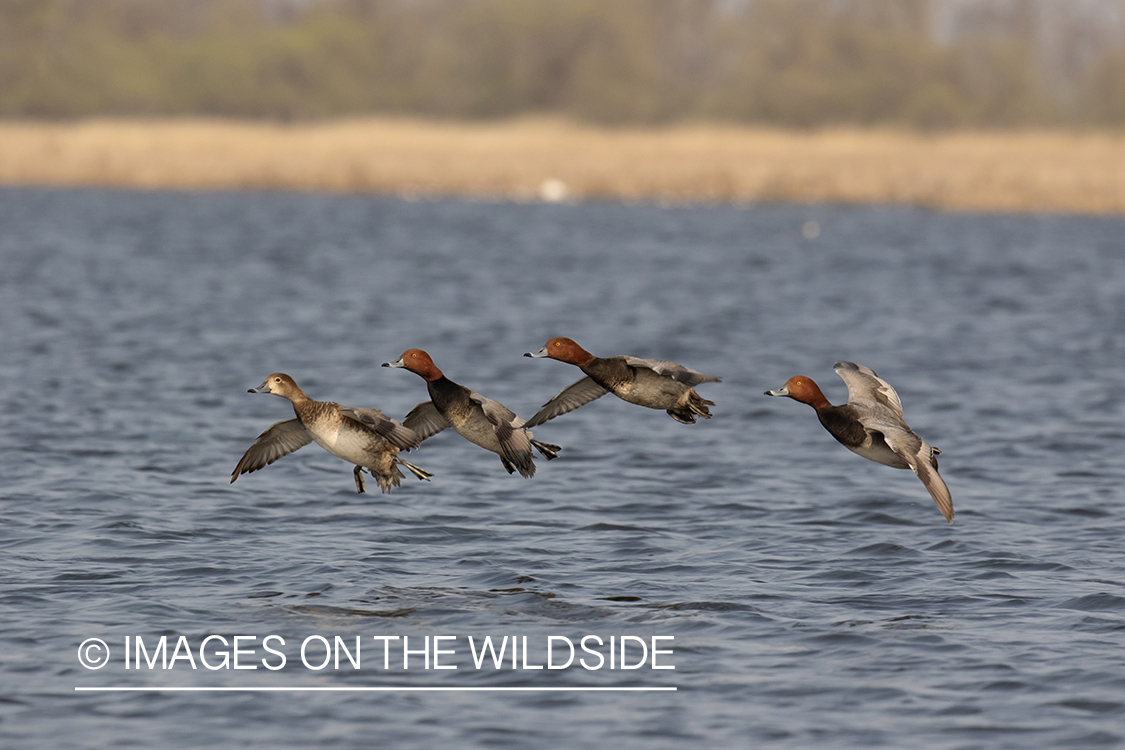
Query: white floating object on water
[[810, 230], [553, 190]]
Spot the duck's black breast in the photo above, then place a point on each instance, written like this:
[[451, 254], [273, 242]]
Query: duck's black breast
[[844, 424], [611, 373], [453, 401]]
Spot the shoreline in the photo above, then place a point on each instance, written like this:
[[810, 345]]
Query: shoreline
[[553, 160]]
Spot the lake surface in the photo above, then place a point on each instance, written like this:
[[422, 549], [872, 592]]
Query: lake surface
[[812, 598]]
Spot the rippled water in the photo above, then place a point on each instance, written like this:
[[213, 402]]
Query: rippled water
[[813, 597]]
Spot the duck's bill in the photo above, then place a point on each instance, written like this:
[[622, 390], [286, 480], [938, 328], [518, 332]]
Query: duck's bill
[[263, 388], [782, 391], [397, 363], [541, 353]]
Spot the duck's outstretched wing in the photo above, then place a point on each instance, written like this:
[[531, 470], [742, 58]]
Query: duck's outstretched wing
[[279, 440], [928, 473], [920, 456], [425, 420], [866, 389], [515, 441], [673, 370], [391, 430], [570, 398]]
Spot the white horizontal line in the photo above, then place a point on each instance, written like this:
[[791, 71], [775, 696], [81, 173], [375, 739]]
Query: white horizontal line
[[368, 689]]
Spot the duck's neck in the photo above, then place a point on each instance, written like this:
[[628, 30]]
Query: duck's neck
[[815, 398], [820, 404], [303, 406], [580, 357], [298, 399]]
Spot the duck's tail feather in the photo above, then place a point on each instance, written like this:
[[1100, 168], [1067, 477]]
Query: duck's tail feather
[[526, 470]]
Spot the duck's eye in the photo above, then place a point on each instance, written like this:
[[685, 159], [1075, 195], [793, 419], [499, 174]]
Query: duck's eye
[[558, 343], [277, 380]]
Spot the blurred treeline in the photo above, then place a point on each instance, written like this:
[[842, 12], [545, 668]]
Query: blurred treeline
[[917, 63]]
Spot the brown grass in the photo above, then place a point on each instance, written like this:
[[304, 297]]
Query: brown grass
[[1022, 171]]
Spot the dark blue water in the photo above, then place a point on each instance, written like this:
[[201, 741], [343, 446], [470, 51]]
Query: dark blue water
[[812, 597]]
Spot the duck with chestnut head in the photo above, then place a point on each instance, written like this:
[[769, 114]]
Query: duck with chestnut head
[[871, 425], [480, 420], [653, 383]]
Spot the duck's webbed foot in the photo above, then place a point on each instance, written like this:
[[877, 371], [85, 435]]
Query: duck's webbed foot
[[360, 485]]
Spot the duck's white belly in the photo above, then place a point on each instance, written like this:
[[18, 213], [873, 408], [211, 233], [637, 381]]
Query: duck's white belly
[[652, 390], [353, 446], [480, 431], [879, 452]]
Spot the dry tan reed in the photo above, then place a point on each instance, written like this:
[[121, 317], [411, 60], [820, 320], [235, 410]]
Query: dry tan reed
[[530, 159]]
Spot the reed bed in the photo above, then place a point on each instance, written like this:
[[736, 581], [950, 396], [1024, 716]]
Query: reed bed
[[537, 159]]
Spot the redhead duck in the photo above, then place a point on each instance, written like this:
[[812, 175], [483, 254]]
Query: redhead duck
[[646, 382], [480, 420], [363, 437], [871, 425]]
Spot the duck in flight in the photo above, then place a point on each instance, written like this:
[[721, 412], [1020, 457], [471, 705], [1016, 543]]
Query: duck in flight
[[360, 436], [871, 425], [480, 420], [653, 383]]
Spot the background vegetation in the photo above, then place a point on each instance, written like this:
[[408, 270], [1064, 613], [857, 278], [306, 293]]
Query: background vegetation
[[805, 63]]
